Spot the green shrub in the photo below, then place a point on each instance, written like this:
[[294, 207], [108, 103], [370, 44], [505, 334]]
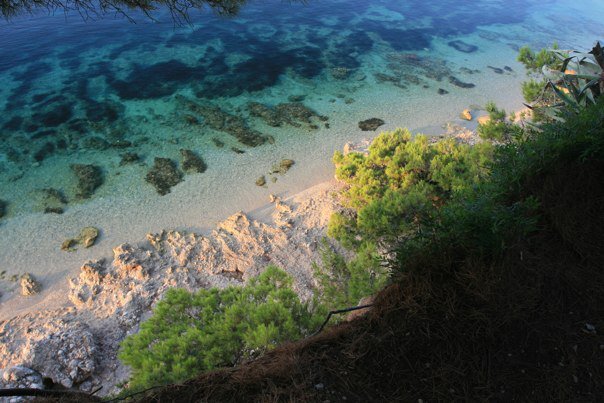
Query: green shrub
[[343, 284], [535, 61], [400, 183], [192, 332], [496, 128]]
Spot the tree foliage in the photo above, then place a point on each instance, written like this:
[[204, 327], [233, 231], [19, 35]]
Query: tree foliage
[[192, 332], [401, 182]]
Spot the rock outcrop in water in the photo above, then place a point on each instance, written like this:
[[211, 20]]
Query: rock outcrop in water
[[458, 83], [406, 69], [219, 120], [192, 162], [29, 285], [89, 177], [87, 238], [371, 124], [163, 175], [463, 46], [291, 113]]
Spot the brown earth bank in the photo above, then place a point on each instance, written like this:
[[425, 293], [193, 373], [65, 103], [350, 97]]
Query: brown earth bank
[[526, 326]]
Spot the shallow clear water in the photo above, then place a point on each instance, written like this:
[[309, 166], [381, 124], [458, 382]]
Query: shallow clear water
[[91, 92]]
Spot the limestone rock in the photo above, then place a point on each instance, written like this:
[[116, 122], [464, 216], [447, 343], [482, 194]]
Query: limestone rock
[[466, 114], [59, 348], [83, 289], [88, 236], [29, 285], [282, 167], [67, 357], [261, 181], [20, 377], [483, 119]]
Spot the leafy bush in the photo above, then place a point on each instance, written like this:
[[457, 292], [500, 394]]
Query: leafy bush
[[192, 332], [535, 61], [400, 183]]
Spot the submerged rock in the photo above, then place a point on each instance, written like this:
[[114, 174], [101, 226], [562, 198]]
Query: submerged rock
[[129, 158], [442, 91], [95, 143], [53, 201], [192, 162], [163, 175], [291, 113], [220, 120], [296, 98], [496, 69], [261, 181], [340, 73], [283, 166], [370, 124], [463, 47], [466, 114], [54, 210], [89, 176], [29, 285], [508, 69], [455, 81], [87, 238], [68, 245], [270, 116]]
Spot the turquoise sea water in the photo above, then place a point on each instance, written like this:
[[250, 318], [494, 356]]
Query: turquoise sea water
[[278, 80]]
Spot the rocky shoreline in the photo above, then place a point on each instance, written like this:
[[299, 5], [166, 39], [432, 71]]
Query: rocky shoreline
[[76, 347]]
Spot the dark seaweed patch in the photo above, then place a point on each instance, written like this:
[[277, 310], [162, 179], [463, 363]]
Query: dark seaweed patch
[[59, 115], [463, 47], [102, 111], [157, 80], [455, 81]]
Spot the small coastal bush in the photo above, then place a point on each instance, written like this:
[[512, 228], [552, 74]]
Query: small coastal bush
[[400, 183], [192, 332]]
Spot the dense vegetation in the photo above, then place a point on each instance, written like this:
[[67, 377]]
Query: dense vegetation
[[192, 332], [486, 247]]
